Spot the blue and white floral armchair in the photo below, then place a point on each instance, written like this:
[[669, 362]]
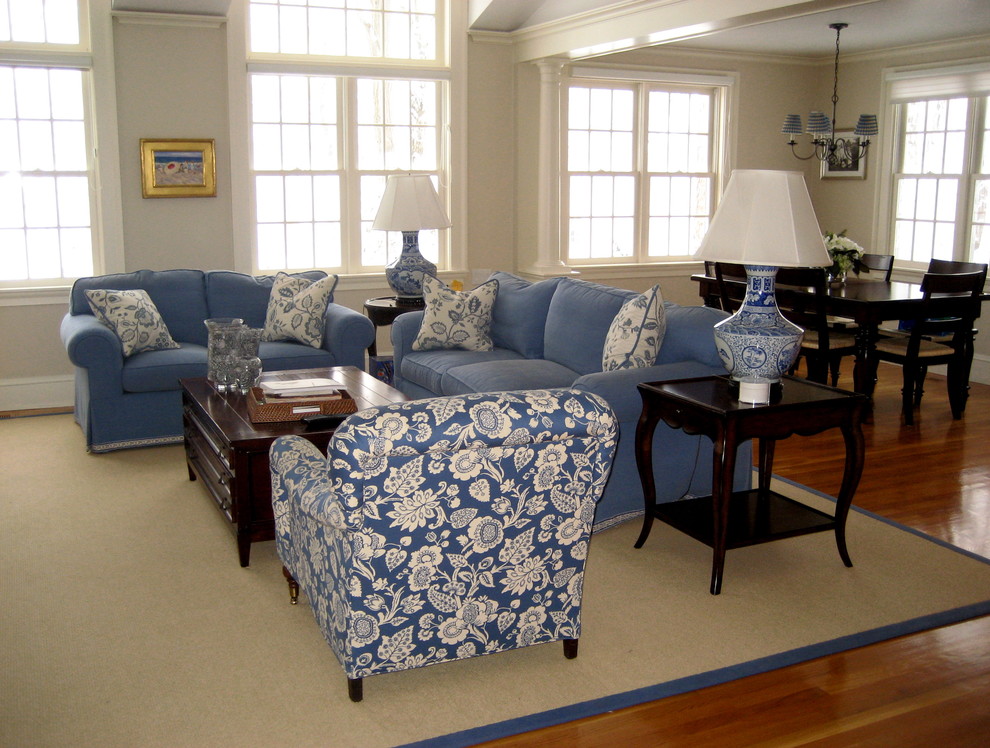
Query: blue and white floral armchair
[[445, 528]]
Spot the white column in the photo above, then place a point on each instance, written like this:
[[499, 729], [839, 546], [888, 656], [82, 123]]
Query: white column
[[548, 260]]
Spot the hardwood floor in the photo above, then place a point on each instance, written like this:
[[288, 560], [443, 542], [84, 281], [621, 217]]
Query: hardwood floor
[[927, 689]]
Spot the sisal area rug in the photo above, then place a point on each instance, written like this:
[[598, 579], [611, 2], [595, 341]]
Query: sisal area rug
[[126, 619]]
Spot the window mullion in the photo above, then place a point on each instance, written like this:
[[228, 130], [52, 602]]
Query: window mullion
[[350, 187], [641, 213], [967, 182]]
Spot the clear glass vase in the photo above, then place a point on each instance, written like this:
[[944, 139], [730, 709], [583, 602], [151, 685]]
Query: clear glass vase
[[221, 350], [247, 372]]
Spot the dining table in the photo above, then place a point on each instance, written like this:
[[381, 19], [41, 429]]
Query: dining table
[[867, 304]]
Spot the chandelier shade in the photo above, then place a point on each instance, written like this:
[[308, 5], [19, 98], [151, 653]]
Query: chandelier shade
[[867, 125]]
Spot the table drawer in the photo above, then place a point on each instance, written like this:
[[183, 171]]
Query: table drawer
[[211, 468]]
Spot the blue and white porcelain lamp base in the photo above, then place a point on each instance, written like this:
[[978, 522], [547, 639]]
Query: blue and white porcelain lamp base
[[405, 273], [757, 344]]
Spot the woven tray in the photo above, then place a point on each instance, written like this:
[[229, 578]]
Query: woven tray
[[274, 409]]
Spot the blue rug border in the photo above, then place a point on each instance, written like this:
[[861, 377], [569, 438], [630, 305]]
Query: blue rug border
[[698, 681]]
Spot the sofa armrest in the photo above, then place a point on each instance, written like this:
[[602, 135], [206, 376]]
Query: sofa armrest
[[619, 387], [299, 469], [347, 335], [405, 328], [94, 346], [689, 335]]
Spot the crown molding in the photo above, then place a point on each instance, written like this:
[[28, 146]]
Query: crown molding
[[142, 18]]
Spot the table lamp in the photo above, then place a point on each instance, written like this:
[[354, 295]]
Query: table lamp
[[410, 203], [764, 221]]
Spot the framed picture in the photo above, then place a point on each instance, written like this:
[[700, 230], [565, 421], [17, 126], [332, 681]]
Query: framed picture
[[178, 168], [855, 170]]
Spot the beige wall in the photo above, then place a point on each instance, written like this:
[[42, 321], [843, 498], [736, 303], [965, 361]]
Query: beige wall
[[171, 82], [491, 144]]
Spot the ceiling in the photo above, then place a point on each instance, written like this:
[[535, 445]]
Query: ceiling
[[873, 24]]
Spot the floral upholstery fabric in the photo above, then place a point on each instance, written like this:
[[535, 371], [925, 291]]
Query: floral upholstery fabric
[[456, 319], [135, 319], [297, 309], [635, 335], [445, 528]]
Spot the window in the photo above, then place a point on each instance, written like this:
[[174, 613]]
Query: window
[[642, 165], [941, 190], [46, 176], [325, 139]]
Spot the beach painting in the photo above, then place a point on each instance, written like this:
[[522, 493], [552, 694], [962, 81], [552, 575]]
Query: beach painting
[[178, 168]]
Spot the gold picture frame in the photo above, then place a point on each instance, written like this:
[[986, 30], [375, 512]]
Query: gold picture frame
[[178, 168]]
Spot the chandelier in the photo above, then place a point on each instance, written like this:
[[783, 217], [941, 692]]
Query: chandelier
[[836, 151]]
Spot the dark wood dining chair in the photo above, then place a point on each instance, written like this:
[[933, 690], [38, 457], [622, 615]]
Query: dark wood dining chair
[[954, 266], [917, 351], [939, 328], [879, 266], [822, 347]]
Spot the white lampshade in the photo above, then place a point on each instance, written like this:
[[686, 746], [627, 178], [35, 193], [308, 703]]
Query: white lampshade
[[410, 203], [765, 218]]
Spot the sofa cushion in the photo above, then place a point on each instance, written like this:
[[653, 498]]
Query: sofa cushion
[[520, 313], [634, 337], [456, 319], [426, 368], [230, 294], [160, 371], [282, 355], [297, 309], [133, 317], [683, 342], [578, 319], [178, 294], [499, 376]]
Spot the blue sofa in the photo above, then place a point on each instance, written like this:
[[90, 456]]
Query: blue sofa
[[137, 401], [551, 334]]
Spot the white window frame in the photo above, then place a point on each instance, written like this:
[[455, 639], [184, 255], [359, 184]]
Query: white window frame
[[450, 68], [93, 55], [721, 87], [964, 79]]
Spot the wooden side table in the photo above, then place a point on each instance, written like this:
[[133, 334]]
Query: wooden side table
[[724, 520], [382, 312]]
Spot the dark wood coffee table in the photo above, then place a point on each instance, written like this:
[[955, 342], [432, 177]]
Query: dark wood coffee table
[[229, 453]]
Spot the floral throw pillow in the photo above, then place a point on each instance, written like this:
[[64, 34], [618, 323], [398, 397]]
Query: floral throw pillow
[[297, 309], [634, 337], [133, 316], [456, 319]]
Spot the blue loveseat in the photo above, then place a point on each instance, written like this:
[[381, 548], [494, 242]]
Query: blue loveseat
[[136, 401], [551, 334]]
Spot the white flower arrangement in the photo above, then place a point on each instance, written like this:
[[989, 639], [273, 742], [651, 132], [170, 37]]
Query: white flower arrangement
[[845, 253]]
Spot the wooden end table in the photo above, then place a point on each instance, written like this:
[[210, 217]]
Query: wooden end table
[[383, 310], [725, 520], [229, 453]]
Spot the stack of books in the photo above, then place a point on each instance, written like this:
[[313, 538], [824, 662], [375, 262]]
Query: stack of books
[[301, 388]]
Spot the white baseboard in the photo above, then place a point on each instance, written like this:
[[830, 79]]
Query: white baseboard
[[37, 392], [59, 392]]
